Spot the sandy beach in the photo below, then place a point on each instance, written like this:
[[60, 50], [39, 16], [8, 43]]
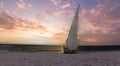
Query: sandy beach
[[103, 58]]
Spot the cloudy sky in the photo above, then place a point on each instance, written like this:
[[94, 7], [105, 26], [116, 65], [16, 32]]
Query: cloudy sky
[[48, 21]]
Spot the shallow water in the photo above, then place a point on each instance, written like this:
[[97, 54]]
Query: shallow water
[[32, 48]]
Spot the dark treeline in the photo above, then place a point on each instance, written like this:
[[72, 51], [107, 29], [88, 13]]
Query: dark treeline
[[36, 48], [99, 48], [31, 48]]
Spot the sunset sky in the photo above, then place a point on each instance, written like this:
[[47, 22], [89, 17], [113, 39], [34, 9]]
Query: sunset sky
[[48, 21]]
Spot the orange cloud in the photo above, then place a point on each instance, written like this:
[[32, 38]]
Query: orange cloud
[[60, 36], [93, 40]]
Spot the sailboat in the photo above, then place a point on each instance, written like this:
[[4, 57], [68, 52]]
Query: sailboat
[[72, 41]]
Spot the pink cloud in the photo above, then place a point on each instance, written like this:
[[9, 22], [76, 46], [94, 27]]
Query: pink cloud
[[60, 36], [21, 4], [103, 23], [58, 13], [56, 2], [65, 6], [8, 22], [61, 4], [1, 5]]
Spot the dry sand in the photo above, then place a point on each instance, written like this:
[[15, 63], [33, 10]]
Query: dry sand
[[107, 58]]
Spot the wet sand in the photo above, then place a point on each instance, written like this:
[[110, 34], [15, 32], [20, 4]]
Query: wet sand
[[101, 58]]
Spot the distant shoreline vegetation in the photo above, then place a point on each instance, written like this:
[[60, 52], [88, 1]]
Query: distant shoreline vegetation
[[53, 48], [31, 48]]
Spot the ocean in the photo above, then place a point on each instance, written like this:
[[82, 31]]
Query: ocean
[[31, 48], [52, 48]]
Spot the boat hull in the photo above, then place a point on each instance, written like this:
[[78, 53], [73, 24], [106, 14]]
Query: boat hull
[[66, 50]]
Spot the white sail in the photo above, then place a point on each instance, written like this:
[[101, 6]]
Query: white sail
[[72, 41]]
